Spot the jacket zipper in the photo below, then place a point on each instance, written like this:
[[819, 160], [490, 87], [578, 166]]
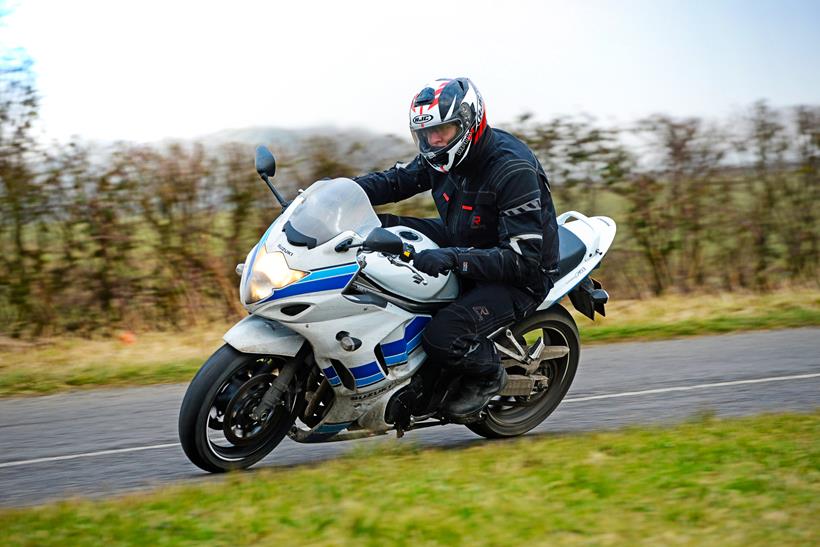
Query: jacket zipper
[[457, 220]]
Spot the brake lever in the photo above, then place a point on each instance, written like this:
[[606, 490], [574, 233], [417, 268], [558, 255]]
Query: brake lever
[[402, 259], [398, 260]]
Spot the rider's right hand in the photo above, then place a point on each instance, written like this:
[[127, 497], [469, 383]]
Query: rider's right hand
[[434, 262]]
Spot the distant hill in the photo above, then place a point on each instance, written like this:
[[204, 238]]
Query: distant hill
[[361, 150], [282, 135], [364, 148]]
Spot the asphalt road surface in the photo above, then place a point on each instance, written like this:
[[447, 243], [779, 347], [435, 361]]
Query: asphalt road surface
[[105, 442]]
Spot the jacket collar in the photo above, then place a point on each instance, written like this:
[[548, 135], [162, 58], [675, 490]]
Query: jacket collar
[[478, 155]]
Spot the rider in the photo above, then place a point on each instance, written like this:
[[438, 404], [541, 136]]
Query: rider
[[497, 231]]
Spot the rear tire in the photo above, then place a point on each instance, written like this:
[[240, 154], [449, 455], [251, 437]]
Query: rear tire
[[520, 416], [215, 429]]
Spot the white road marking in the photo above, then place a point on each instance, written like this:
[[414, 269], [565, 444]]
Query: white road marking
[[689, 388], [87, 455], [570, 400]]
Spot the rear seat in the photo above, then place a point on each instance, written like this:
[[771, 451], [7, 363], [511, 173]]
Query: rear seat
[[570, 249]]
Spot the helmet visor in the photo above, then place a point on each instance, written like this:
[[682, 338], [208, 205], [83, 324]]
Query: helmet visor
[[437, 137]]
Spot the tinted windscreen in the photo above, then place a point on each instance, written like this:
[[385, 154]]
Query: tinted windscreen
[[331, 207]]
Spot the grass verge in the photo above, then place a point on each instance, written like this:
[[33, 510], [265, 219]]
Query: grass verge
[[676, 316], [151, 358], [716, 482]]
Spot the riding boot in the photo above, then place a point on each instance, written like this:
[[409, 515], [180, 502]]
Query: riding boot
[[474, 394]]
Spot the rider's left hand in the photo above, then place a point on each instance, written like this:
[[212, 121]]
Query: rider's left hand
[[436, 261]]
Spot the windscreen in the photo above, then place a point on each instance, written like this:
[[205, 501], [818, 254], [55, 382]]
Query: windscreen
[[331, 207]]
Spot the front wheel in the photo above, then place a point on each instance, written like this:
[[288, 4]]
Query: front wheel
[[215, 427], [513, 416]]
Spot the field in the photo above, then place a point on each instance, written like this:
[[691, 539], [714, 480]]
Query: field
[[751, 481], [60, 364]]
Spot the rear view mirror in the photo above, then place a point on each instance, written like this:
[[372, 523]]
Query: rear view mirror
[[383, 241], [265, 162]]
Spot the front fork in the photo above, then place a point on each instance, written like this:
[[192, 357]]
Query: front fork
[[273, 396]]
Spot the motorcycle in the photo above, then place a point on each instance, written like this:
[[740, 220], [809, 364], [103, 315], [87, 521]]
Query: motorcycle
[[331, 348]]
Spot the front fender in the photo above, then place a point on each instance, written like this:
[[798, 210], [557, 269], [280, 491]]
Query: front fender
[[264, 336]]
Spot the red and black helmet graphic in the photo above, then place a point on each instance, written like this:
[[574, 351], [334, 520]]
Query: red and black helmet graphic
[[446, 118]]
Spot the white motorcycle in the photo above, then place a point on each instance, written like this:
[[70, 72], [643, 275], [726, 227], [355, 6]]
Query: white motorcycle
[[331, 347]]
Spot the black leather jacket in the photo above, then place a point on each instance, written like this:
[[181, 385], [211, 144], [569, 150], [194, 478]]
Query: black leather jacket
[[496, 207]]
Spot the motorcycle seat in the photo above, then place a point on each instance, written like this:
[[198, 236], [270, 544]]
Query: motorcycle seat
[[571, 251]]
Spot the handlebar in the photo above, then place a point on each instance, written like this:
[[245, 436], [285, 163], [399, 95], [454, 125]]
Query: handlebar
[[408, 253]]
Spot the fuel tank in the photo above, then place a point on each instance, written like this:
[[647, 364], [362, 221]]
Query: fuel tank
[[392, 274]]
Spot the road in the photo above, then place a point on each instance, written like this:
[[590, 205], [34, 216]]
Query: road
[[105, 442]]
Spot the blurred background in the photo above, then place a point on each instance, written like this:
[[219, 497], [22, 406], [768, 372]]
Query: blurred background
[[127, 129]]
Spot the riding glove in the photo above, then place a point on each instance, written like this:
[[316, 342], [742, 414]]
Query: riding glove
[[436, 261]]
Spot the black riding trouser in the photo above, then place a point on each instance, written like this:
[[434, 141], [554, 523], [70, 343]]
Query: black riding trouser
[[456, 338]]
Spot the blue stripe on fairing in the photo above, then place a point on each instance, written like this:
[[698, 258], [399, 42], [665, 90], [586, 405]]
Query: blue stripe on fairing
[[366, 370], [317, 281], [370, 380], [303, 287], [394, 348], [410, 332], [413, 343], [367, 374], [330, 272], [397, 351], [395, 359], [332, 376], [415, 327], [401, 357]]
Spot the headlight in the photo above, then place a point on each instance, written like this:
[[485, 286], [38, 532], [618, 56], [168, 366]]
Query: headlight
[[269, 271]]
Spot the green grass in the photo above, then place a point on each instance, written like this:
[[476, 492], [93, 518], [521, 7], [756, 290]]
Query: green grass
[[753, 481], [127, 359], [36, 381], [715, 323]]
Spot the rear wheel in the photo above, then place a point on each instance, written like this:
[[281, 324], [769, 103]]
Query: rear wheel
[[215, 427], [512, 416]]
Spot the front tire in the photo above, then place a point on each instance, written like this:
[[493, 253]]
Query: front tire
[[513, 416], [215, 429]]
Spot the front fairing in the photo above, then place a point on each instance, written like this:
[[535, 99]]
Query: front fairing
[[250, 261], [328, 211]]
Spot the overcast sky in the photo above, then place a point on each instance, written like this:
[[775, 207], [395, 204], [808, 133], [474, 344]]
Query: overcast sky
[[146, 70]]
